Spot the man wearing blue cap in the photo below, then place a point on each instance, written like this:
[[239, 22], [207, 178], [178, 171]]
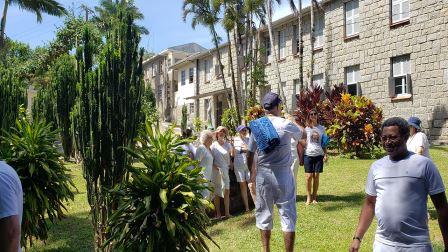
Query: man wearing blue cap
[[272, 176], [417, 141]]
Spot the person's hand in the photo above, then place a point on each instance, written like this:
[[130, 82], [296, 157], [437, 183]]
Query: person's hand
[[325, 158], [355, 245], [251, 186]]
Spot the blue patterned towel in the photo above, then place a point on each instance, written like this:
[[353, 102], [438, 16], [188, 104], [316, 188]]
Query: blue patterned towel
[[265, 134]]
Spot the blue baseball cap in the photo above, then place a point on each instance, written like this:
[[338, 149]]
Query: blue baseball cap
[[271, 100], [414, 122], [240, 128]]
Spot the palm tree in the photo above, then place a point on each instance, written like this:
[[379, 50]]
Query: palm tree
[[207, 14], [298, 13], [268, 6], [106, 15], [38, 7]]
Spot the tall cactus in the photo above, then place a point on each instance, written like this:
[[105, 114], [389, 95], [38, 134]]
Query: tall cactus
[[12, 95], [107, 112]]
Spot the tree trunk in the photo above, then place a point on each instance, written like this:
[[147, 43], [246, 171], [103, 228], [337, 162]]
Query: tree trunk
[[274, 51], [232, 72], [239, 73], [300, 33], [3, 25], [312, 39]]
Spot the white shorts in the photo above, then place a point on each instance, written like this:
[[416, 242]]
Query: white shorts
[[242, 175], [225, 178], [217, 184]]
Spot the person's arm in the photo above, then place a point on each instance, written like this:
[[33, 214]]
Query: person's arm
[[253, 172], [10, 234], [441, 205], [365, 219]]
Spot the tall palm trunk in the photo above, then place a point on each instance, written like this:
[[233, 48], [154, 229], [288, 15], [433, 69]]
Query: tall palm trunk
[[312, 39], [232, 72], [239, 68], [3, 24], [300, 33], [268, 6]]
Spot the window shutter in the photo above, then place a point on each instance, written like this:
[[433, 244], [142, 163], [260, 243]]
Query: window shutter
[[217, 70], [408, 84], [358, 89], [391, 87], [294, 40]]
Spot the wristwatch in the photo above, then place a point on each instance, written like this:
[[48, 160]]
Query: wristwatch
[[357, 238]]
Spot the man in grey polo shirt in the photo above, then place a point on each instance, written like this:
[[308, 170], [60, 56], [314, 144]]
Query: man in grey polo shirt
[[11, 208], [273, 178], [397, 188]]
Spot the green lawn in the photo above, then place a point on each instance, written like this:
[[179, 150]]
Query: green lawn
[[328, 226]]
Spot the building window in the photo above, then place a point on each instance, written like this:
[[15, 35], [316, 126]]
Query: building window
[[400, 81], [191, 75], [351, 18], [267, 44], [153, 67], [206, 105], [318, 80], [400, 10], [352, 79], [295, 40], [319, 27], [191, 108], [159, 91], [160, 67], [182, 78], [281, 44], [207, 69], [283, 83]]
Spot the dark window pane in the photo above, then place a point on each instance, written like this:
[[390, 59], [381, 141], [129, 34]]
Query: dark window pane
[[351, 89]]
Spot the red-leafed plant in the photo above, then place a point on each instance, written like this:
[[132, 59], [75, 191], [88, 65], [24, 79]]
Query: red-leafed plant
[[307, 101]]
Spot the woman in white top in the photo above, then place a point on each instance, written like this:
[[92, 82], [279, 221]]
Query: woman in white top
[[240, 168], [222, 151], [315, 156], [417, 141], [205, 158]]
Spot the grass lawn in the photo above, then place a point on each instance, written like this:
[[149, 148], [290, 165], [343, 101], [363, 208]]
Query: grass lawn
[[328, 226]]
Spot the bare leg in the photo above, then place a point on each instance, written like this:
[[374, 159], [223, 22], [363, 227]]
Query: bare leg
[[227, 202], [217, 202], [289, 241], [243, 188], [265, 240], [309, 177], [315, 186]]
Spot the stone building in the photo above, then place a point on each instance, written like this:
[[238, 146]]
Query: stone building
[[395, 52]]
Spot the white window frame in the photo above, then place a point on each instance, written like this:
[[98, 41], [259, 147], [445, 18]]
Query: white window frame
[[207, 70], [352, 77], [182, 77], [319, 27], [401, 67], [191, 107], [319, 80], [191, 75], [268, 54], [282, 44], [402, 16], [352, 18]]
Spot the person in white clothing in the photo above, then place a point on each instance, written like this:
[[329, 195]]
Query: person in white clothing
[[240, 167], [205, 158], [417, 141], [295, 163], [222, 151]]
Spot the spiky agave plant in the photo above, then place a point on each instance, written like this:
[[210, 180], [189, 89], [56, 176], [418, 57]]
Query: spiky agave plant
[[45, 180], [161, 207]]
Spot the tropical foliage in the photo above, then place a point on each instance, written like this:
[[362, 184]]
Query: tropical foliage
[[230, 120], [161, 207], [198, 124], [254, 113], [45, 180], [308, 100], [12, 96]]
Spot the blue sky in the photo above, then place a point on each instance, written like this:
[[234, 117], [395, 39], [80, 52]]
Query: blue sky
[[163, 19]]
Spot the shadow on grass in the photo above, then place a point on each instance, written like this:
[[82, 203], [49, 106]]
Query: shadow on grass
[[336, 202], [73, 233], [248, 221], [440, 148], [432, 214]]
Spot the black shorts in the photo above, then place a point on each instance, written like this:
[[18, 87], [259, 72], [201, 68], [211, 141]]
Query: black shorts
[[313, 164]]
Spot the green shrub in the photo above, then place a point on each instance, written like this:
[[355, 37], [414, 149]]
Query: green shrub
[[198, 124], [229, 120], [160, 207], [356, 126], [183, 122], [45, 180]]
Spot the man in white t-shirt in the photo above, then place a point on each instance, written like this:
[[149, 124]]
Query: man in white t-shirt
[[273, 177], [11, 208], [397, 188]]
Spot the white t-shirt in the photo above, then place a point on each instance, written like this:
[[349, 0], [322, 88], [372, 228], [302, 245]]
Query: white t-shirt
[[240, 157], [11, 194], [205, 158], [221, 154], [401, 189], [419, 139], [314, 141], [281, 156]]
